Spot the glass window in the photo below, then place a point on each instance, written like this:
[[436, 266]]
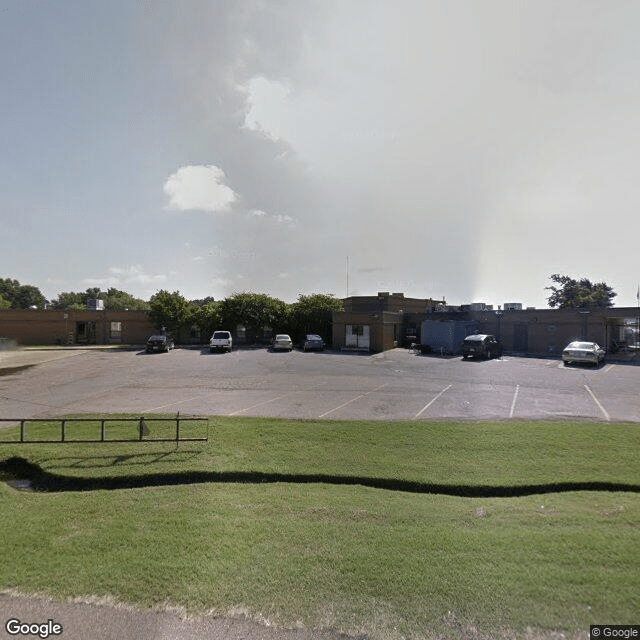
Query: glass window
[[115, 330]]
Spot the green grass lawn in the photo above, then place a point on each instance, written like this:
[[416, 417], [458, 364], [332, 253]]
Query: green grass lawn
[[263, 519]]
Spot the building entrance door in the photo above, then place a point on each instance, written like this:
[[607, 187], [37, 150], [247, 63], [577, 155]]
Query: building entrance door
[[357, 336], [520, 338], [85, 332]]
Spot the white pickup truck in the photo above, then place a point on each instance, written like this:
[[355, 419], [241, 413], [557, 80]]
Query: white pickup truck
[[220, 341]]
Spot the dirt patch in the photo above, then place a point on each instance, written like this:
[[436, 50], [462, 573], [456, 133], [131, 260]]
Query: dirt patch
[[7, 371]]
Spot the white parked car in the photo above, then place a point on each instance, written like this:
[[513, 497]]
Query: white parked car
[[282, 342], [580, 351], [221, 341]]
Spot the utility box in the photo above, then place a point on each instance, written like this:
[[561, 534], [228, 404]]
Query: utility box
[[445, 336]]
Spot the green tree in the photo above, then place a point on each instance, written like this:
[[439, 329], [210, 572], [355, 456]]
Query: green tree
[[207, 317], [313, 314], [203, 301], [170, 311], [4, 304], [115, 300], [21, 296], [70, 301], [571, 293], [255, 312]]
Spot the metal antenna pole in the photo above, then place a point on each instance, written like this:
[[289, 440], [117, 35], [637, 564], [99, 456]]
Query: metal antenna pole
[[347, 276]]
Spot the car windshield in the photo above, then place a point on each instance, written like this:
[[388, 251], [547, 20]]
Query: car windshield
[[313, 337], [220, 335], [581, 345], [283, 337], [157, 338]]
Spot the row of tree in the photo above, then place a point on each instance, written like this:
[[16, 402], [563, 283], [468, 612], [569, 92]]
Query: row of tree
[[14, 295], [254, 311], [113, 300]]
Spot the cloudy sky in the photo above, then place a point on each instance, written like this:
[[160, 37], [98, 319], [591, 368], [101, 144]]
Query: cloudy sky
[[444, 148]]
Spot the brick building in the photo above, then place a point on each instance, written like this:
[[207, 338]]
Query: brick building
[[379, 323], [382, 322], [35, 326]]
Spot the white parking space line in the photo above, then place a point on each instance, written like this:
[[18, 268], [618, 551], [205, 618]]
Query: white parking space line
[[171, 404], [604, 412], [513, 404], [259, 404], [344, 404], [430, 403], [608, 368]]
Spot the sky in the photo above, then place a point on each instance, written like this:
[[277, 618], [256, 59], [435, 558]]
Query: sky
[[451, 149]]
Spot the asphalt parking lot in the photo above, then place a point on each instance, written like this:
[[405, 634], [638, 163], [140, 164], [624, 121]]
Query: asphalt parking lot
[[395, 385]]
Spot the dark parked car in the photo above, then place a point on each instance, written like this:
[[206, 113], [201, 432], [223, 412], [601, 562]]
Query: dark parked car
[[159, 343], [481, 346], [312, 342]]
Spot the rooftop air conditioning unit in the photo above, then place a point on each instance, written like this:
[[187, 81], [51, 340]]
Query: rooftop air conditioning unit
[[94, 304]]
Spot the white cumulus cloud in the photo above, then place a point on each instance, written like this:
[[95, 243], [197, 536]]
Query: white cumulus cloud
[[267, 101], [199, 187], [274, 218], [123, 276]]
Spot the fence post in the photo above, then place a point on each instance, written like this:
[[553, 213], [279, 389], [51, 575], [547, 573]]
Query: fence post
[[62, 430], [177, 428], [22, 431], [102, 431]]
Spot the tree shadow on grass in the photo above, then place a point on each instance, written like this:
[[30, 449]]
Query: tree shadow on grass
[[133, 459], [28, 475]]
